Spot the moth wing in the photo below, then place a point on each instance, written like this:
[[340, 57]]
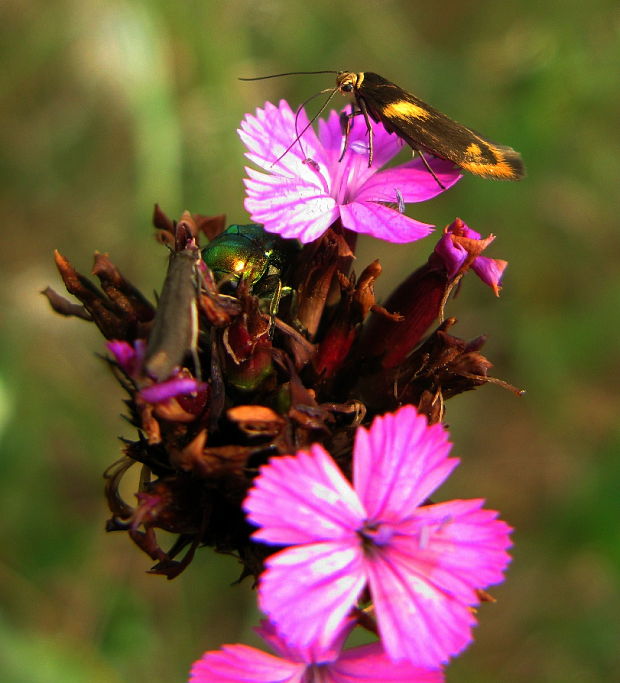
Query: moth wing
[[425, 128]]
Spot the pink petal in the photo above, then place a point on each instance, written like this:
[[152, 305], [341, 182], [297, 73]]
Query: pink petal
[[330, 135], [452, 254], [308, 185], [382, 222], [367, 663], [424, 582], [307, 591], [399, 462], [303, 498], [129, 358], [268, 135], [490, 270], [177, 386], [370, 664], [464, 230], [417, 620], [243, 664], [291, 208], [412, 180], [123, 352], [310, 654], [469, 544]]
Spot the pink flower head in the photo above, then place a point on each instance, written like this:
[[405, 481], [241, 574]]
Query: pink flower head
[[243, 664], [460, 248], [303, 193], [422, 563]]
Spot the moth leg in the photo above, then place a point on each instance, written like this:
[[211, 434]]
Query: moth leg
[[362, 105], [348, 118], [345, 122], [428, 168]]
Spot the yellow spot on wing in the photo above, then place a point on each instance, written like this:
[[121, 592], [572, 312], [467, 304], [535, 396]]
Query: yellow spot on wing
[[405, 110], [500, 169], [474, 150]]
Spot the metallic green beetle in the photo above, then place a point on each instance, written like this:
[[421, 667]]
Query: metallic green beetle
[[248, 252]]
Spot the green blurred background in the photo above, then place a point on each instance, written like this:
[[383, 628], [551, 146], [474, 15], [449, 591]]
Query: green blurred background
[[110, 106]]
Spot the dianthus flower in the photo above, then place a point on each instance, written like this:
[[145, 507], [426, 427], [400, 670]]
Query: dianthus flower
[[307, 188], [243, 664], [423, 563]]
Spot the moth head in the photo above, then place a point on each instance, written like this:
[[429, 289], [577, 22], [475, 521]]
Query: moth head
[[348, 81]]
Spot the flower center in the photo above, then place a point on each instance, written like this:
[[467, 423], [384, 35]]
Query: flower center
[[375, 535]]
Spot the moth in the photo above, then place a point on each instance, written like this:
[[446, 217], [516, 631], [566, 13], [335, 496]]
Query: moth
[[422, 127]]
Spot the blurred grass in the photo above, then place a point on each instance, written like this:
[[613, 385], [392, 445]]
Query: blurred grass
[[108, 107]]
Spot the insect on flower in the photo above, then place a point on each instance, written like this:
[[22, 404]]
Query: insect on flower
[[422, 127], [248, 252], [175, 327], [300, 200]]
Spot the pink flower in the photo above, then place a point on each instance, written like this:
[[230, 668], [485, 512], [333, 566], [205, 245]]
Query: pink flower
[[460, 248], [243, 664], [421, 562], [303, 193]]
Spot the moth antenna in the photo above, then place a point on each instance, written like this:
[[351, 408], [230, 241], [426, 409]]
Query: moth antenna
[[288, 73], [312, 120]]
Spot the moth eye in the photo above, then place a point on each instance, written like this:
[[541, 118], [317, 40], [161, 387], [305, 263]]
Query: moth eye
[[347, 87]]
